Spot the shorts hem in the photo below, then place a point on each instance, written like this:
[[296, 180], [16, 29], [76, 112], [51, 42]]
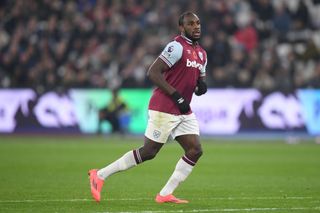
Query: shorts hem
[[155, 140], [187, 133]]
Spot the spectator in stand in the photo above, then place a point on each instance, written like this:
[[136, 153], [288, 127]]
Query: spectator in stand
[[281, 21]]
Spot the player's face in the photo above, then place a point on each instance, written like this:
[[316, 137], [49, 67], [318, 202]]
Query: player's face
[[191, 27]]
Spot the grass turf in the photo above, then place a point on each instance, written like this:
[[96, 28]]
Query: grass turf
[[49, 174]]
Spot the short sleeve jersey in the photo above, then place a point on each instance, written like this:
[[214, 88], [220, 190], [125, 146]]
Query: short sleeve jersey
[[186, 62]]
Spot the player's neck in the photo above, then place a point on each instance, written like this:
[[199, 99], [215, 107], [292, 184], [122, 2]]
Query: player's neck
[[189, 41]]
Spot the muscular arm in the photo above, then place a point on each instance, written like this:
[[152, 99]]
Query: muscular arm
[[155, 74]]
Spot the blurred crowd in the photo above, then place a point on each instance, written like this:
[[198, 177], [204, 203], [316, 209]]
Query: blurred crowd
[[60, 44]]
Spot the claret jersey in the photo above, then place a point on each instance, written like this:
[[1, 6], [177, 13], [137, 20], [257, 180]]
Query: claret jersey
[[186, 63]]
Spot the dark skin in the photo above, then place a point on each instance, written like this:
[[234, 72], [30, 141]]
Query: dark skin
[[190, 143]]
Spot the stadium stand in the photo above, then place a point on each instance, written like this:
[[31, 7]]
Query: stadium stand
[[54, 45]]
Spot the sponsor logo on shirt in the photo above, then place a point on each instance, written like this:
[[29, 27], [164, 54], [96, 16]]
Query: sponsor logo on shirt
[[194, 64]]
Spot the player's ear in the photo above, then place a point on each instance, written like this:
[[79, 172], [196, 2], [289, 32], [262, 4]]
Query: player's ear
[[181, 28]]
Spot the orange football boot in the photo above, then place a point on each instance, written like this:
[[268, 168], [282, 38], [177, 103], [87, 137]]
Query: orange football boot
[[169, 199], [96, 184]]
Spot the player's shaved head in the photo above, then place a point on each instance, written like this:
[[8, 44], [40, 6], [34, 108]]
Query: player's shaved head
[[190, 26], [183, 15]]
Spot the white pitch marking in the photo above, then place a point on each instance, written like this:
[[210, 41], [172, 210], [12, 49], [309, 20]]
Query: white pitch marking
[[136, 199], [227, 210], [67, 200], [255, 198]]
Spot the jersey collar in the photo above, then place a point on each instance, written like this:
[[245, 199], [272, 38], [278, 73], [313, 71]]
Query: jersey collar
[[189, 41]]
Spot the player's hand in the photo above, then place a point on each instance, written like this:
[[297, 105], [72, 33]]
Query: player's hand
[[181, 102], [201, 88]]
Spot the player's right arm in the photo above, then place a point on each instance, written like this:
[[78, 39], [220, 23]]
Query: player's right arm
[[155, 74], [170, 55]]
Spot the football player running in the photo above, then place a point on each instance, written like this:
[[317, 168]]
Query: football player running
[[177, 73]]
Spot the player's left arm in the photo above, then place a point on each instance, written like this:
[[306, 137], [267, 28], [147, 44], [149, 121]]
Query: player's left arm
[[201, 87]]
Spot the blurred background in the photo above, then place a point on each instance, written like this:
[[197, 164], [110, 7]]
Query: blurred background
[[60, 60]]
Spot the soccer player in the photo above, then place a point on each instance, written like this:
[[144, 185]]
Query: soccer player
[[178, 72]]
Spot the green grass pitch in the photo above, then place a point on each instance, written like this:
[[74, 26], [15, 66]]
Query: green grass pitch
[[49, 174]]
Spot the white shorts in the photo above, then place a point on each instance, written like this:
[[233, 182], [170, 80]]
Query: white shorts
[[162, 125]]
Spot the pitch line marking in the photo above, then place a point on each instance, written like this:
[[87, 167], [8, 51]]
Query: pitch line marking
[[254, 198], [228, 210], [137, 199]]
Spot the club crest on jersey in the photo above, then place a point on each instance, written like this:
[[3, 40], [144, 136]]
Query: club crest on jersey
[[194, 64], [200, 55], [156, 134]]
